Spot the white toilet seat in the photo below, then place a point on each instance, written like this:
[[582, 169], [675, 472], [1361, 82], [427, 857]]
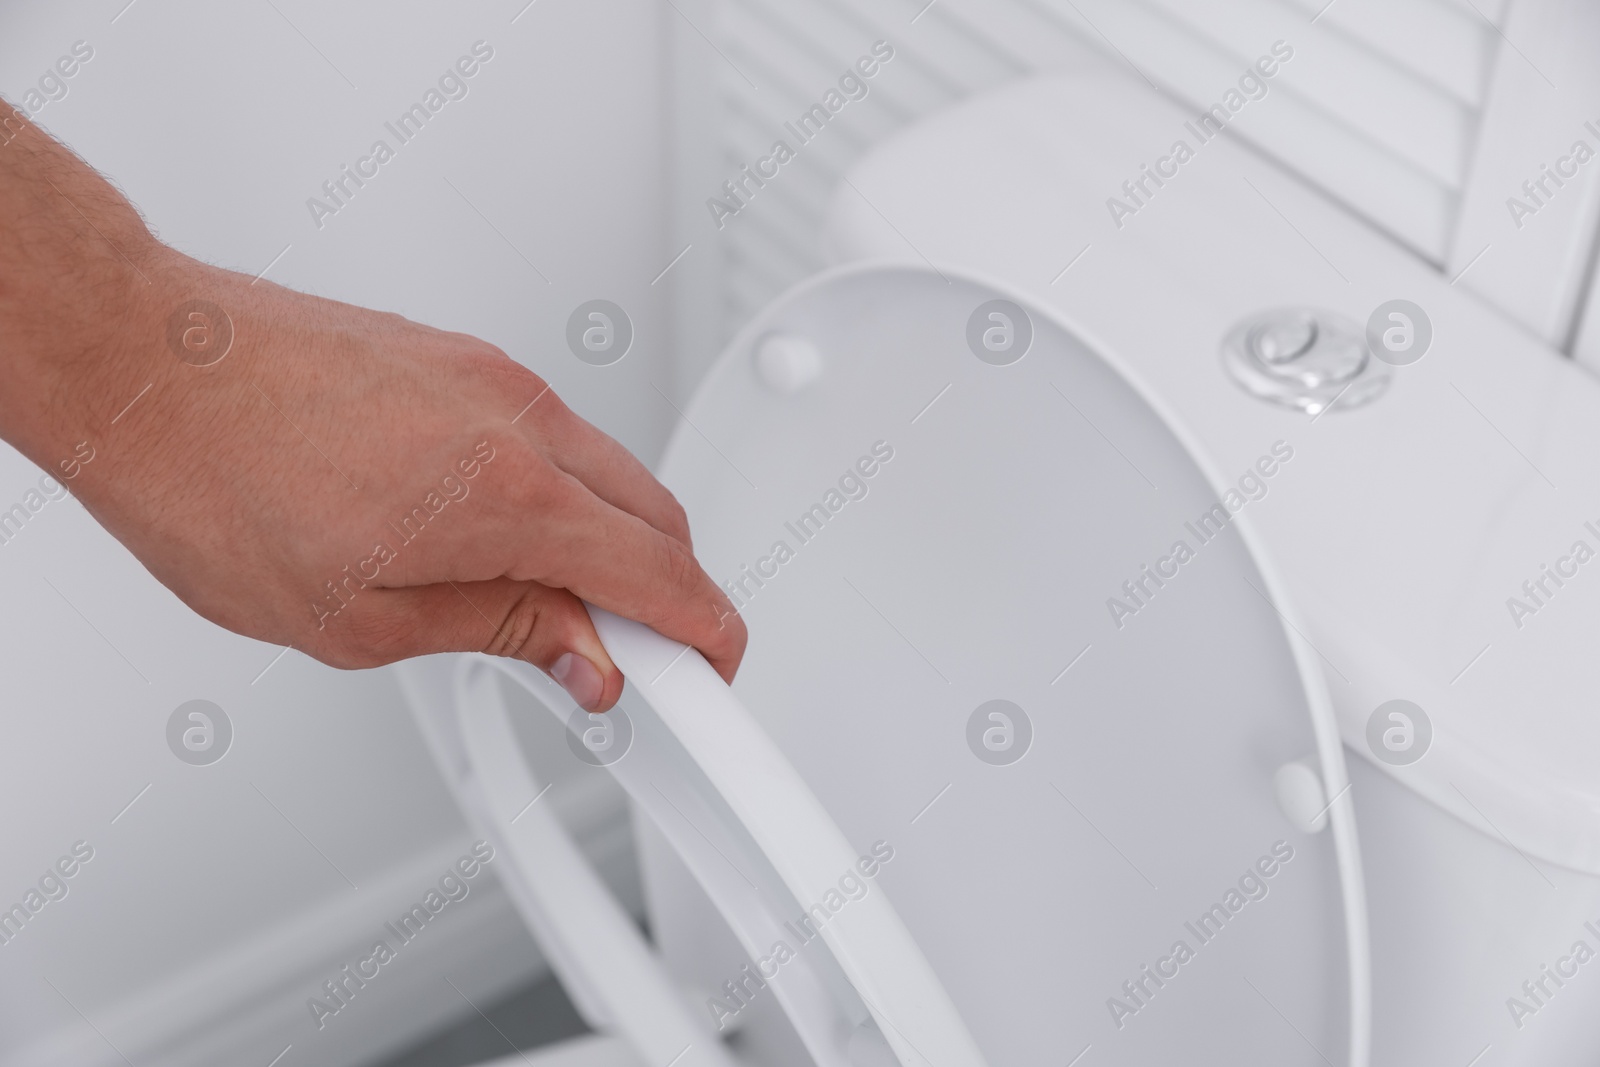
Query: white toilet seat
[[1038, 887]]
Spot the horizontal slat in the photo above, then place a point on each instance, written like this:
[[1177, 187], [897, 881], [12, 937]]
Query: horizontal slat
[[792, 77], [859, 125], [1379, 106], [1411, 203], [1211, 41], [1449, 46], [795, 54], [793, 256], [960, 53], [784, 62], [817, 164], [787, 206], [1414, 208], [1037, 38], [1491, 10], [937, 63]]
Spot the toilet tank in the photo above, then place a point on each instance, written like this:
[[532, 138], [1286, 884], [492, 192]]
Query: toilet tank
[[1408, 524]]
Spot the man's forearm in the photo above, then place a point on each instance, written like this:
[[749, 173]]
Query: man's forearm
[[269, 474], [79, 274]]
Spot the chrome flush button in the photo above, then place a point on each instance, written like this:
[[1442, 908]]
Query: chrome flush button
[[1303, 358]]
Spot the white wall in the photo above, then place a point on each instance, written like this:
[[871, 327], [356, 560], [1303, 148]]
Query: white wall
[[224, 891]]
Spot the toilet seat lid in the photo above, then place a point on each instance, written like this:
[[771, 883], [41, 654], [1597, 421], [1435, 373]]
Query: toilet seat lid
[[1430, 611], [1003, 620]]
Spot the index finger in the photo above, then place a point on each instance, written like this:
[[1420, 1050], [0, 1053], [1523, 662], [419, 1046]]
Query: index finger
[[617, 561]]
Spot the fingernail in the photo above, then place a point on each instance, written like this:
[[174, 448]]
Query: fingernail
[[580, 679]]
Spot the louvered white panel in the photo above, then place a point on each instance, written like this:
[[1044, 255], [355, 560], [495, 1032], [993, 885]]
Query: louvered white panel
[[1332, 79], [1441, 43], [1380, 105], [794, 53], [1385, 142], [1538, 268]]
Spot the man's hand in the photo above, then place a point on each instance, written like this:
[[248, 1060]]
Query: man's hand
[[314, 474]]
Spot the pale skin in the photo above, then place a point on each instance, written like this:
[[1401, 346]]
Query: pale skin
[[249, 485]]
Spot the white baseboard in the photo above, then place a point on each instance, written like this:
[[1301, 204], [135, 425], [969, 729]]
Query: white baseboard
[[248, 1005]]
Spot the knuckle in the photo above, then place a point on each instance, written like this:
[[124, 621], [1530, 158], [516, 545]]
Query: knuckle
[[514, 634], [504, 375], [678, 565], [537, 626], [731, 629], [538, 487], [492, 351], [476, 350], [677, 520]]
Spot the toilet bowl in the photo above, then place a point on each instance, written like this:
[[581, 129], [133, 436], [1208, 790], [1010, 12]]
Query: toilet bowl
[[1136, 844], [1429, 534], [1057, 620]]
